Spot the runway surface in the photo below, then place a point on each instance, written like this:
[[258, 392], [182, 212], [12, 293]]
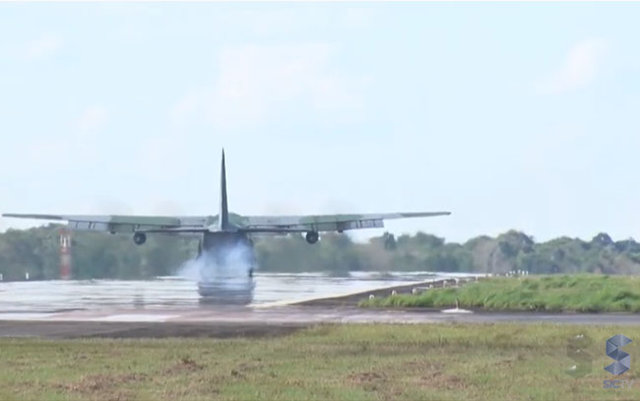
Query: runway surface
[[172, 308], [36, 297]]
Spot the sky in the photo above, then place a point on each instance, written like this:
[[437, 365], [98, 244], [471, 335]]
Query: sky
[[510, 115]]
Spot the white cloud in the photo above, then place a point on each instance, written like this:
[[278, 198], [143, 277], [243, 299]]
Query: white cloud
[[257, 83], [579, 69], [45, 46], [93, 118]]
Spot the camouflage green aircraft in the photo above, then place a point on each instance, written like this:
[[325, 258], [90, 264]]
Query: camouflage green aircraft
[[225, 228]]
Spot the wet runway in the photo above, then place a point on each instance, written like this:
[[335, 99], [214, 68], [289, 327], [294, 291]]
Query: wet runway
[[171, 307], [41, 298]]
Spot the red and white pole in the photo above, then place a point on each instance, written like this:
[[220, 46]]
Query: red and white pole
[[65, 254]]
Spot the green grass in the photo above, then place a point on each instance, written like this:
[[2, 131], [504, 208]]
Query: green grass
[[580, 293], [352, 362]]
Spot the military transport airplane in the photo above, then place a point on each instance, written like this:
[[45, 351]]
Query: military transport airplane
[[225, 229]]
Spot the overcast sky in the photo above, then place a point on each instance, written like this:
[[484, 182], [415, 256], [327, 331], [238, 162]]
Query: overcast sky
[[512, 116]]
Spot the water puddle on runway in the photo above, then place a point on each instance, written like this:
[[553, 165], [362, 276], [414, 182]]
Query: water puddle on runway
[[172, 292]]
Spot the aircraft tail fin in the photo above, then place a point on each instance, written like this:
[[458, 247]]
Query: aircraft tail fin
[[223, 217]]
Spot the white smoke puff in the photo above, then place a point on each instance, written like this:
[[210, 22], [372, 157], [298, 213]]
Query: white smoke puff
[[190, 269], [225, 263]]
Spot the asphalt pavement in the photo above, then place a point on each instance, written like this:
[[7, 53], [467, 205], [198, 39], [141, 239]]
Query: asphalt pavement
[[248, 322]]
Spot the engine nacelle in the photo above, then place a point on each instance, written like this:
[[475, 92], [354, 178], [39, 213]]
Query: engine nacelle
[[312, 237], [139, 238]]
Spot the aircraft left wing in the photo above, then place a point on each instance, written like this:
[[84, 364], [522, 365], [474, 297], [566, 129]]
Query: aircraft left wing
[[124, 224], [319, 223]]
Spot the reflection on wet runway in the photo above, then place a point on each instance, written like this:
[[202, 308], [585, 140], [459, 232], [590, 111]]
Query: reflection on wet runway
[[172, 292], [229, 291]]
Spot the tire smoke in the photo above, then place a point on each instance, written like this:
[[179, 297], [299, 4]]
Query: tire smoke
[[223, 263]]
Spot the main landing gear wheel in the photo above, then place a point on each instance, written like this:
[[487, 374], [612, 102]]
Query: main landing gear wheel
[[139, 238], [312, 237]]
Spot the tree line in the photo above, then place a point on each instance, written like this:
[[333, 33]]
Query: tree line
[[98, 255]]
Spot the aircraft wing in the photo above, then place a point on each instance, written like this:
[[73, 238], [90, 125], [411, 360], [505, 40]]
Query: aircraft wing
[[319, 223], [202, 224], [125, 224]]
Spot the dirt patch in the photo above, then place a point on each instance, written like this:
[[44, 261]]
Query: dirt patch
[[369, 381], [184, 365], [505, 363], [104, 385], [431, 374], [249, 366], [366, 377], [442, 381]]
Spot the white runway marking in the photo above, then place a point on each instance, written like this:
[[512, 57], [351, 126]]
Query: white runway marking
[[134, 318], [456, 310]]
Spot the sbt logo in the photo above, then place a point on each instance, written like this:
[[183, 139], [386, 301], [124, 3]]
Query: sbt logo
[[622, 361]]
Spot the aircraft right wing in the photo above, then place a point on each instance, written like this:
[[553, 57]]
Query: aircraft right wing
[[319, 223]]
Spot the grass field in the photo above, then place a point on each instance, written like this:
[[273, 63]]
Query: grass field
[[355, 362], [581, 293]]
